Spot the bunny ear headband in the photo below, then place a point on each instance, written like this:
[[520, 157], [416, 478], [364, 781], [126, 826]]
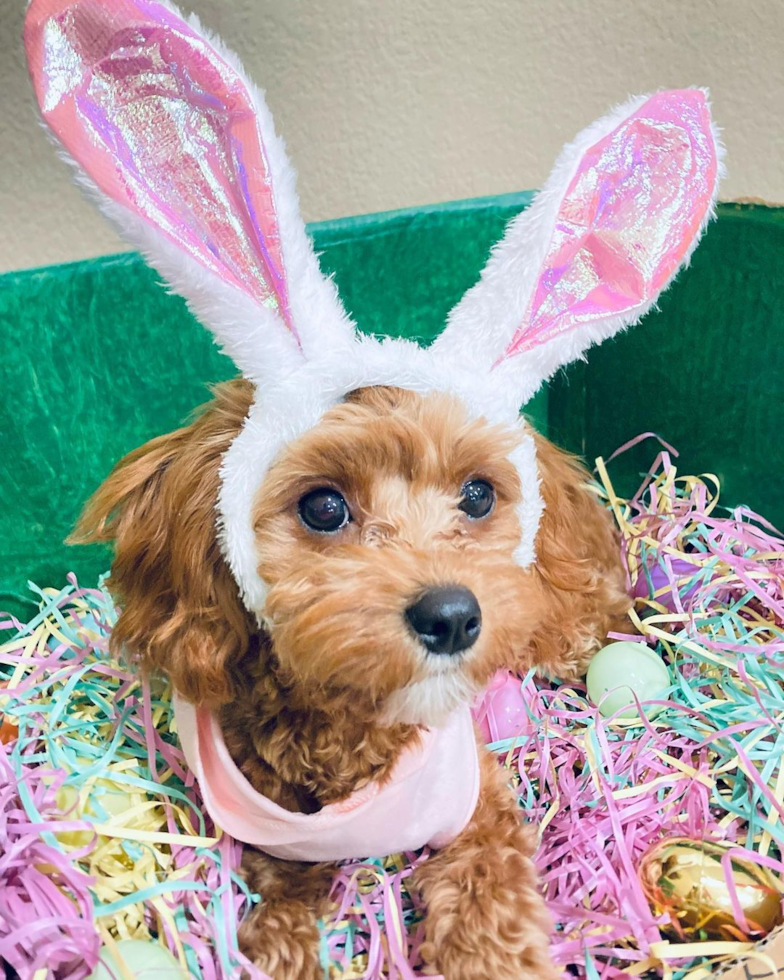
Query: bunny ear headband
[[178, 147]]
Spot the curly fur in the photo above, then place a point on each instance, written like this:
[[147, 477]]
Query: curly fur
[[324, 697]]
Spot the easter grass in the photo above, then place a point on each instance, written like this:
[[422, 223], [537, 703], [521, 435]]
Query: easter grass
[[103, 836]]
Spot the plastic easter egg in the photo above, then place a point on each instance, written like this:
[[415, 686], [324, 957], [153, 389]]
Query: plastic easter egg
[[143, 960], [73, 805], [685, 878], [9, 730], [114, 799], [501, 712], [68, 802], [621, 670], [104, 799], [658, 577]]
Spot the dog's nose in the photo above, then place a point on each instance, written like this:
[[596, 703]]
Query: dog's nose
[[446, 620]]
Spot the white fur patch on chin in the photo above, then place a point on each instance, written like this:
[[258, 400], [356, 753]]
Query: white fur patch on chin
[[429, 701]]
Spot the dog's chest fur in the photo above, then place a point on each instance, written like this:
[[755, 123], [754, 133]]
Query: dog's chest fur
[[300, 757]]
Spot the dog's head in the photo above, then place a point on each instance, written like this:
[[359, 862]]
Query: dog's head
[[386, 535]]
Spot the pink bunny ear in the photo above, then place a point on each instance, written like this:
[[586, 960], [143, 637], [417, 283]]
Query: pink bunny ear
[[628, 219], [621, 213], [167, 127]]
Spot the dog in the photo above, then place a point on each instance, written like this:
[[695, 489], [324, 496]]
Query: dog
[[325, 697], [335, 556]]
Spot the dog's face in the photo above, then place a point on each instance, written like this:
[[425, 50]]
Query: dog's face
[[386, 536]]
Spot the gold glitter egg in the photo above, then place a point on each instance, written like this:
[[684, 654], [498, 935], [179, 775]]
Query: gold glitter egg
[[685, 878]]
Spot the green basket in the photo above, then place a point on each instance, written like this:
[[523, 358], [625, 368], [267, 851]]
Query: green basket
[[99, 358]]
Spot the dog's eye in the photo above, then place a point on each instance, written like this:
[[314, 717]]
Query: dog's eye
[[324, 510], [478, 499]]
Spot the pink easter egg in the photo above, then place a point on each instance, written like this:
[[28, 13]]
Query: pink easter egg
[[659, 577], [500, 712]]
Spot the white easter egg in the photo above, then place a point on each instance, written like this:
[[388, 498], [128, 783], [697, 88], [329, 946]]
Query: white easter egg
[[146, 960], [621, 670]]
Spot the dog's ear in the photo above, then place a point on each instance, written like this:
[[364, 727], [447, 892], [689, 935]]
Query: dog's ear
[[579, 568], [181, 610]]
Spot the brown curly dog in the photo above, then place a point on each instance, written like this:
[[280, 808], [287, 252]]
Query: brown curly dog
[[324, 698]]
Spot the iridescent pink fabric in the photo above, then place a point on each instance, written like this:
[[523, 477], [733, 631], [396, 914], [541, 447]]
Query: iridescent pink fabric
[[164, 127], [627, 219]]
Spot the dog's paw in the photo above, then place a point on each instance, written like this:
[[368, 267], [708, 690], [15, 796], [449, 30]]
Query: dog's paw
[[282, 940], [513, 967], [455, 960]]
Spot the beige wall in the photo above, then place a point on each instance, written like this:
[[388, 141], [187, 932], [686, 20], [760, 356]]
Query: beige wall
[[390, 103]]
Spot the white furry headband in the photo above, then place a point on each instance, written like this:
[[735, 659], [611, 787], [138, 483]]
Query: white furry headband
[[178, 147]]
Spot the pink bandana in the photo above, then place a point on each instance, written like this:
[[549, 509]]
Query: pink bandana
[[429, 798]]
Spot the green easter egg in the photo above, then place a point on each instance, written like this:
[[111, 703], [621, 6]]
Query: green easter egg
[[622, 668], [145, 961]]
